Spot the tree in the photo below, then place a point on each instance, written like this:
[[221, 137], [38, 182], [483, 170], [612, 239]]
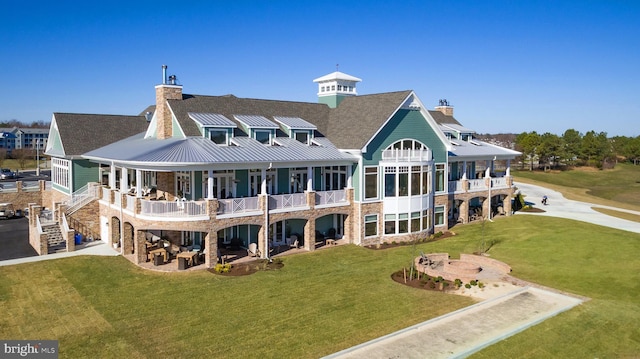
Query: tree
[[526, 143], [572, 142], [631, 150], [3, 156], [548, 150], [596, 148], [22, 155]]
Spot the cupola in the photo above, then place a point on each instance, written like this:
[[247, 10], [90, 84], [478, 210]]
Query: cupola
[[334, 87]]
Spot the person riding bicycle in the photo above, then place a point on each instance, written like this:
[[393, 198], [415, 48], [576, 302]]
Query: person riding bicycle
[[544, 200]]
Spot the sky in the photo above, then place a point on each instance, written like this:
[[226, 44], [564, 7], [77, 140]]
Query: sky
[[505, 66]]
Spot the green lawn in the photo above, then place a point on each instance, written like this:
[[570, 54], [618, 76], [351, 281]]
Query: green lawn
[[325, 301]]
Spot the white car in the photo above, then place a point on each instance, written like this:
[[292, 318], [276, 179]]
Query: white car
[[6, 210], [6, 173]]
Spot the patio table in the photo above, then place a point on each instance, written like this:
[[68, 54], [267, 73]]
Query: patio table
[[188, 255], [161, 251]]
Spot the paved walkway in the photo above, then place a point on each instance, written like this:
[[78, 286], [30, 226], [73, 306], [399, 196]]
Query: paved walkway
[[97, 248]]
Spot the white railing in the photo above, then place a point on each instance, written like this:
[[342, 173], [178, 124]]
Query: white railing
[[238, 205], [477, 184], [131, 203], [455, 186], [406, 155], [173, 208], [117, 199], [81, 197], [499, 182], [331, 197], [106, 194], [292, 200]]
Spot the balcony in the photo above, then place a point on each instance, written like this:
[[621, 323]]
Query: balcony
[[173, 208], [407, 155]]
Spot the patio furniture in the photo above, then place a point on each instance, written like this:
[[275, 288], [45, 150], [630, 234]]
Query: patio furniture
[[293, 241], [252, 250], [188, 256], [182, 263], [161, 251], [157, 259]]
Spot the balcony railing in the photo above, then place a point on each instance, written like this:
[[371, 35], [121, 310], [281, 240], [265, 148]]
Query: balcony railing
[[238, 205], [406, 155], [173, 208], [499, 182], [131, 203], [477, 185], [292, 200], [324, 198]]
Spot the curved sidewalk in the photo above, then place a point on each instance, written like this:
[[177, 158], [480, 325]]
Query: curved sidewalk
[[581, 211]]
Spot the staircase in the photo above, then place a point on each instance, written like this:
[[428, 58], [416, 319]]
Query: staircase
[[56, 243]]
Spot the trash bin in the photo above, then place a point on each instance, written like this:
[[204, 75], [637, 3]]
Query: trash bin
[[78, 238], [182, 263], [157, 259]]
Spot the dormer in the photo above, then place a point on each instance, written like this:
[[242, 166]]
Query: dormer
[[334, 87], [296, 128], [215, 127], [258, 127]]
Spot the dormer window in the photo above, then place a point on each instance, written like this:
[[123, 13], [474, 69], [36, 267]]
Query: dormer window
[[263, 137], [302, 136], [219, 136]]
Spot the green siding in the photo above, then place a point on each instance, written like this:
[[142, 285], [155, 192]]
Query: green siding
[[357, 177], [405, 124], [242, 188], [84, 172], [283, 180], [317, 179], [332, 101], [196, 192]]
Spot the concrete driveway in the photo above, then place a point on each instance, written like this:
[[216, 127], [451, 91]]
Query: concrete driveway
[[14, 239]]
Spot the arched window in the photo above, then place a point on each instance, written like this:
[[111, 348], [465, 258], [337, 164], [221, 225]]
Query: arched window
[[407, 144]]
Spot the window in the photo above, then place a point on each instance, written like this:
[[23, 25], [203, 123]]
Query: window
[[302, 137], [426, 180], [415, 221], [218, 136], [335, 178], [440, 177], [389, 224], [370, 182], [389, 181], [322, 89], [371, 225], [183, 183], [403, 223], [415, 180], [60, 172], [339, 87], [333, 87], [403, 181], [263, 137], [439, 214], [426, 223]]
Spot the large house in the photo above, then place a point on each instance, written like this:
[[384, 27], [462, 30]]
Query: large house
[[204, 172]]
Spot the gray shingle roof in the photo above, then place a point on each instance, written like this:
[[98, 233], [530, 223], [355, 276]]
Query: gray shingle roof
[[230, 105], [441, 118], [357, 118], [81, 133]]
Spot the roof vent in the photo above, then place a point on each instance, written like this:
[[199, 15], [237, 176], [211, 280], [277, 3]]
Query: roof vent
[[148, 116]]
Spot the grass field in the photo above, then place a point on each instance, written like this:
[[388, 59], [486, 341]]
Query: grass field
[[325, 301]]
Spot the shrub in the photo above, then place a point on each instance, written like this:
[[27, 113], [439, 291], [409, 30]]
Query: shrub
[[480, 285], [473, 282], [468, 286], [439, 279], [457, 283]]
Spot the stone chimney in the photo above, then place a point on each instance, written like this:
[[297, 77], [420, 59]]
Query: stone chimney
[[443, 106], [168, 90]]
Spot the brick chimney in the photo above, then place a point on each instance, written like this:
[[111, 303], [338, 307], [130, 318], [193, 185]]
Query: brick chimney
[[168, 90], [443, 106]]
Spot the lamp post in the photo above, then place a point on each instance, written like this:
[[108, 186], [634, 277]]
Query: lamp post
[[37, 157]]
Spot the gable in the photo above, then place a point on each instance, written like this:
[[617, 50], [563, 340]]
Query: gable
[[405, 124], [54, 142]]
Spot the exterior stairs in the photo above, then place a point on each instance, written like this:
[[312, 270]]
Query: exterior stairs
[[56, 243]]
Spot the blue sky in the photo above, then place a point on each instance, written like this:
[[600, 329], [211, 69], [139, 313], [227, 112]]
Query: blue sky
[[505, 66]]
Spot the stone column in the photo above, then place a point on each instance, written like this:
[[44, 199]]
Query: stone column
[[140, 249], [211, 249], [464, 211], [310, 235]]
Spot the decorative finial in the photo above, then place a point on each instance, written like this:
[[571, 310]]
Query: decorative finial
[[337, 67]]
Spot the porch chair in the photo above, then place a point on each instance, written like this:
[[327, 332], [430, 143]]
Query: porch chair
[[293, 241], [252, 250]]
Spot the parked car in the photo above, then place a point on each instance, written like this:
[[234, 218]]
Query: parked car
[[6, 210], [6, 173]]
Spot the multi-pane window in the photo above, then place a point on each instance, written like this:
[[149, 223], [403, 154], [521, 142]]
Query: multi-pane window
[[60, 172], [403, 223], [390, 223], [302, 136], [439, 177], [371, 225], [370, 182], [183, 183], [439, 215], [415, 221], [402, 181], [335, 178], [263, 137]]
